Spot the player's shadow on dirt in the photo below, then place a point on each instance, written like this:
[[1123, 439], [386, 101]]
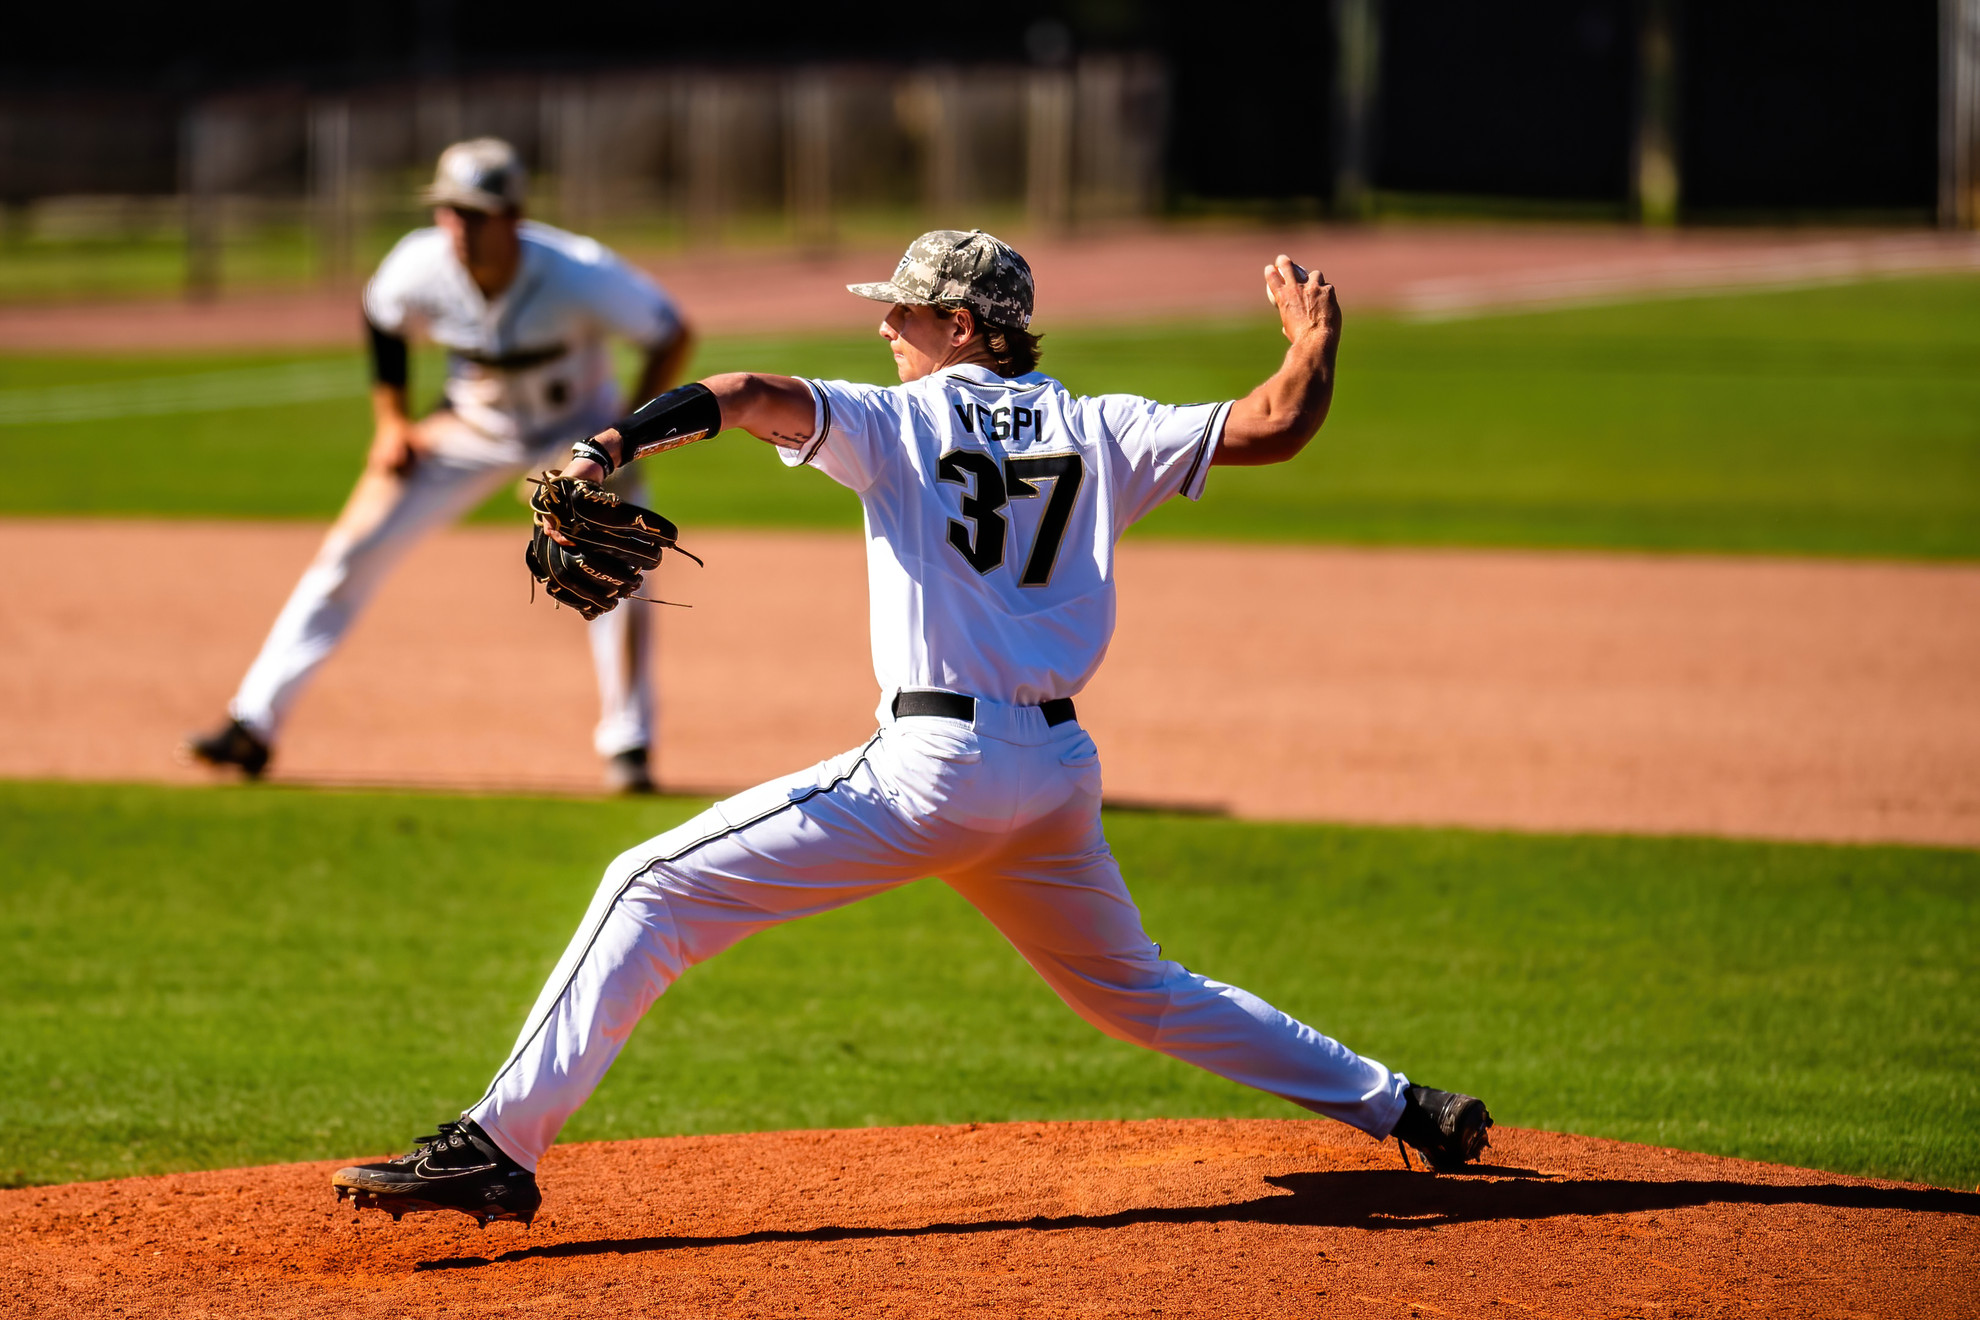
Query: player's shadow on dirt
[[1372, 1199]]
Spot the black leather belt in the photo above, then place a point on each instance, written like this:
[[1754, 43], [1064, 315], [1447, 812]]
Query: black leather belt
[[522, 360], [955, 706]]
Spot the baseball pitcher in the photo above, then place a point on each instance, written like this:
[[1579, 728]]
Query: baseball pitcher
[[994, 498], [524, 312]]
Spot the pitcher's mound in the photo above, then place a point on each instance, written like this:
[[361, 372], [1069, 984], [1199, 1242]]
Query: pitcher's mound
[[1209, 1218]]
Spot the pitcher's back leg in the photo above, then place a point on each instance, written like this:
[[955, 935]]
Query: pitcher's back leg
[[1071, 917]]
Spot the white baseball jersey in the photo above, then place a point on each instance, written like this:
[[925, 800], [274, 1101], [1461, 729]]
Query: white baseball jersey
[[525, 365], [992, 509]]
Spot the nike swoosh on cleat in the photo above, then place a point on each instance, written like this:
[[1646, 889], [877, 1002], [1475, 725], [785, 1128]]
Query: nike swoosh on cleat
[[425, 1170]]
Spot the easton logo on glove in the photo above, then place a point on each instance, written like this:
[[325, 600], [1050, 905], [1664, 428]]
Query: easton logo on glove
[[612, 544]]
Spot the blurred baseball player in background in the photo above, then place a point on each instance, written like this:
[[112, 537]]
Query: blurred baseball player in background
[[524, 312], [993, 500]]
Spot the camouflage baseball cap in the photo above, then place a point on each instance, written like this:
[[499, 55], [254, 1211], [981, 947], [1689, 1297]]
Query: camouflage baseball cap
[[481, 174], [950, 268]]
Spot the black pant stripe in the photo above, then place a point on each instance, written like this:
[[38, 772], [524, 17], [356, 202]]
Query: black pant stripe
[[674, 856]]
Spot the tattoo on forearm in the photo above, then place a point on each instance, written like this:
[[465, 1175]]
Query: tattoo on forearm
[[785, 440]]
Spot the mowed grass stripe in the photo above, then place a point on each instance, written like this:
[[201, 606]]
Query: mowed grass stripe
[[194, 392], [210, 978], [1840, 421]]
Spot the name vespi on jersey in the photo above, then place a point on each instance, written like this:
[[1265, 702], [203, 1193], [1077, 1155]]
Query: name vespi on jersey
[[1002, 423]]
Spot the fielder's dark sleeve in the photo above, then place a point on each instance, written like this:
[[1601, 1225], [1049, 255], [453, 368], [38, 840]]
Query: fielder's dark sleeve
[[389, 358]]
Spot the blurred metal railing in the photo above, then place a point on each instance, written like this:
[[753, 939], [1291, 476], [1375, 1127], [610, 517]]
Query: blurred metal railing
[[1959, 114], [648, 158]]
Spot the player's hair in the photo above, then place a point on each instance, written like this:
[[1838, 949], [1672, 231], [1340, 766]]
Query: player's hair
[[1013, 352]]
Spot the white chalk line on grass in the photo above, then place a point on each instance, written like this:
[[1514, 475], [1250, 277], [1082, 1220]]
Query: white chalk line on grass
[[1807, 266], [160, 396]]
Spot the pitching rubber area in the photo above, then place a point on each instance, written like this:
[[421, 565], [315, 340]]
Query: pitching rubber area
[[1203, 1218]]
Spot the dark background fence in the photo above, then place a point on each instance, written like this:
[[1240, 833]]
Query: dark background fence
[[796, 118]]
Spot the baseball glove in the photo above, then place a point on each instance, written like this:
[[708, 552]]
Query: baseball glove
[[612, 543]]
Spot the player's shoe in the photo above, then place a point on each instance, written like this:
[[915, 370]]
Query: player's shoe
[[456, 1168], [232, 744], [629, 772], [1446, 1128]]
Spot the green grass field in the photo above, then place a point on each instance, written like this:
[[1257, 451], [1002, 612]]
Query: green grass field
[[235, 976], [1841, 421], [212, 978]]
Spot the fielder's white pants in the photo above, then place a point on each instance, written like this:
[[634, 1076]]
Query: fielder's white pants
[[1007, 812], [384, 518]]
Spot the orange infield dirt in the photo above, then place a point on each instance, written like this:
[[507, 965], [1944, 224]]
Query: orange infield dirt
[[1206, 1218], [1771, 698]]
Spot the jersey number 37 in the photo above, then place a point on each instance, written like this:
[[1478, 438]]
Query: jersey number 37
[[988, 488]]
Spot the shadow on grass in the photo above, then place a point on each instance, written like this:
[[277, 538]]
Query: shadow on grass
[[1371, 1199]]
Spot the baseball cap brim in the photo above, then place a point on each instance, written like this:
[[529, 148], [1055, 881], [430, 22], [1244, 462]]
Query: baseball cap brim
[[889, 292], [466, 199]]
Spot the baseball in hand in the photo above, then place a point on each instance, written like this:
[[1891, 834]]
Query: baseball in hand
[[1299, 276]]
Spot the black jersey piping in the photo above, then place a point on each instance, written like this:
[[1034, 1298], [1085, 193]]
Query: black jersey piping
[[825, 425], [520, 360], [1002, 382], [806, 796], [1202, 447]]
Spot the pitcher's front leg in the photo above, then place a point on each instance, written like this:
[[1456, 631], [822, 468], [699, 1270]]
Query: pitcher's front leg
[[785, 850]]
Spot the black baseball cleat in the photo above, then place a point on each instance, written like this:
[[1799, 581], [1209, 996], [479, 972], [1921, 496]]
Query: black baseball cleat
[[1446, 1128], [456, 1168], [232, 744], [629, 772]]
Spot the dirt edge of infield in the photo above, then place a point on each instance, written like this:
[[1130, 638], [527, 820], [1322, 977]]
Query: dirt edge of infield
[[1170, 1217]]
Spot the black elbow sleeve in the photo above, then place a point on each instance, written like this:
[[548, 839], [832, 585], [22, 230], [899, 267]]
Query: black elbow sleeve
[[389, 364], [678, 417]]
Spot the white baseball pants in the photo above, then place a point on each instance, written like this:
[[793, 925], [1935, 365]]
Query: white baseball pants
[[380, 523], [1007, 812]]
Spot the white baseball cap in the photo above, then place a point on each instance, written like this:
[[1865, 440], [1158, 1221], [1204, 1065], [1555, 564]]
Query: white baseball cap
[[481, 174]]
